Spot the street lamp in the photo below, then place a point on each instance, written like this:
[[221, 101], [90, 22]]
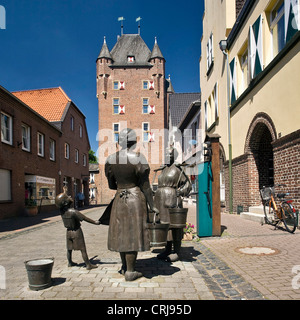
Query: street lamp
[[223, 45], [223, 48]]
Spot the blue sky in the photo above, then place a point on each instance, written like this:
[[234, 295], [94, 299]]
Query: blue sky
[[50, 43]]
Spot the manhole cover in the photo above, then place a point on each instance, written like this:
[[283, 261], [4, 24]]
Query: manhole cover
[[258, 251]]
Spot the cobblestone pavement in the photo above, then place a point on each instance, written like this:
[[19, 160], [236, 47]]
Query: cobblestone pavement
[[209, 269]]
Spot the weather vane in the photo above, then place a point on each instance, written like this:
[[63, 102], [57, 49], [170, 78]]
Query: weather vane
[[121, 19], [139, 25]]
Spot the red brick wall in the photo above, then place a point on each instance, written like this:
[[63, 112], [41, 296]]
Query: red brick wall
[[69, 168], [287, 165], [132, 99], [21, 162], [246, 182]]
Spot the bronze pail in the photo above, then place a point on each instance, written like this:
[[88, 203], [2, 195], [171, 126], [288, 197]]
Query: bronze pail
[[178, 217], [158, 233], [39, 273]]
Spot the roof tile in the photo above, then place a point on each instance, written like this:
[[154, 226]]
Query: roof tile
[[49, 103]]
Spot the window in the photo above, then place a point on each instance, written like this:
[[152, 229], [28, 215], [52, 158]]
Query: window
[[67, 151], [25, 137], [233, 81], [277, 28], [148, 85], [80, 131], [146, 131], [6, 128], [116, 85], [145, 105], [256, 48], [244, 69], [76, 155], [119, 85], [84, 160], [116, 129], [72, 123], [52, 150], [292, 21], [145, 85], [209, 53], [116, 105], [40, 142], [130, 58], [5, 185]]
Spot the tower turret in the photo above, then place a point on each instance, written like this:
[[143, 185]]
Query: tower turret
[[103, 71]]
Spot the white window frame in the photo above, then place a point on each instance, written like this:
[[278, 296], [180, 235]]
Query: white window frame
[[116, 104], [244, 62], [52, 150], [145, 104], [209, 52], [145, 131], [116, 131], [115, 85], [26, 138], [9, 129], [67, 151], [84, 160], [80, 131], [40, 144], [273, 24], [145, 82]]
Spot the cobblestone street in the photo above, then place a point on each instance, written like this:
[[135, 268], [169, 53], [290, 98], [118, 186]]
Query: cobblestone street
[[209, 269]]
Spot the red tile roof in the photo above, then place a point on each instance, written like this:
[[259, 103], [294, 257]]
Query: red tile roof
[[49, 103]]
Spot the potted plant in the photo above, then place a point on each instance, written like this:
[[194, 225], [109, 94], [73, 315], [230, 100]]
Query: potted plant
[[31, 208], [188, 232]]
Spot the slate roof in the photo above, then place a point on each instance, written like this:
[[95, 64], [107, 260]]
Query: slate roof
[[179, 105], [104, 53], [130, 45]]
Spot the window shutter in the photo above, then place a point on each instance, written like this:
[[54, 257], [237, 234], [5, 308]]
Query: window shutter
[[291, 19], [151, 109], [121, 109], [151, 85], [233, 84], [122, 85], [256, 48], [151, 137]]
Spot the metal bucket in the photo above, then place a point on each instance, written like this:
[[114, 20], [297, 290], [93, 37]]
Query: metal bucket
[[158, 234], [39, 273], [178, 217]]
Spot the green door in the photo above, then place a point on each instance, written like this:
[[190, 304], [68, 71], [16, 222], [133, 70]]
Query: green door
[[204, 203]]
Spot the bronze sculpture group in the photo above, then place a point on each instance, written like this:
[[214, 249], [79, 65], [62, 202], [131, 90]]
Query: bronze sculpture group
[[128, 172]]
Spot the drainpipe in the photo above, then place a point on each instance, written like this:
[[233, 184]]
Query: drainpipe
[[229, 134]]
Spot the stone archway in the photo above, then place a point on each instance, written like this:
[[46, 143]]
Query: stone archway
[[259, 149]]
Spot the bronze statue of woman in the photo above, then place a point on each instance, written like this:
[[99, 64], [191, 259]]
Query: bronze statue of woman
[[172, 185], [128, 173]]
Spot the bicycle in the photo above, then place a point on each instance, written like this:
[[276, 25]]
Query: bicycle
[[281, 212]]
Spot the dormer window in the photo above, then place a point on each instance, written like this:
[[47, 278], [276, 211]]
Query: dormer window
[[130, 58]]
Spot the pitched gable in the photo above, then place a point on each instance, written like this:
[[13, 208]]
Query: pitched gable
[[49, 103]]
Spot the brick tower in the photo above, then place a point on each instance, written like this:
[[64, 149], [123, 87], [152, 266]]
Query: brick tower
[[131, 92]]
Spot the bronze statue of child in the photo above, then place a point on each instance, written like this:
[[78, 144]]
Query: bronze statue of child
[[71, 219]]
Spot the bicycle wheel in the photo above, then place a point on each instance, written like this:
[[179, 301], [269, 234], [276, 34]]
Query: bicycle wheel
[[289, 217], [269, 213]]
